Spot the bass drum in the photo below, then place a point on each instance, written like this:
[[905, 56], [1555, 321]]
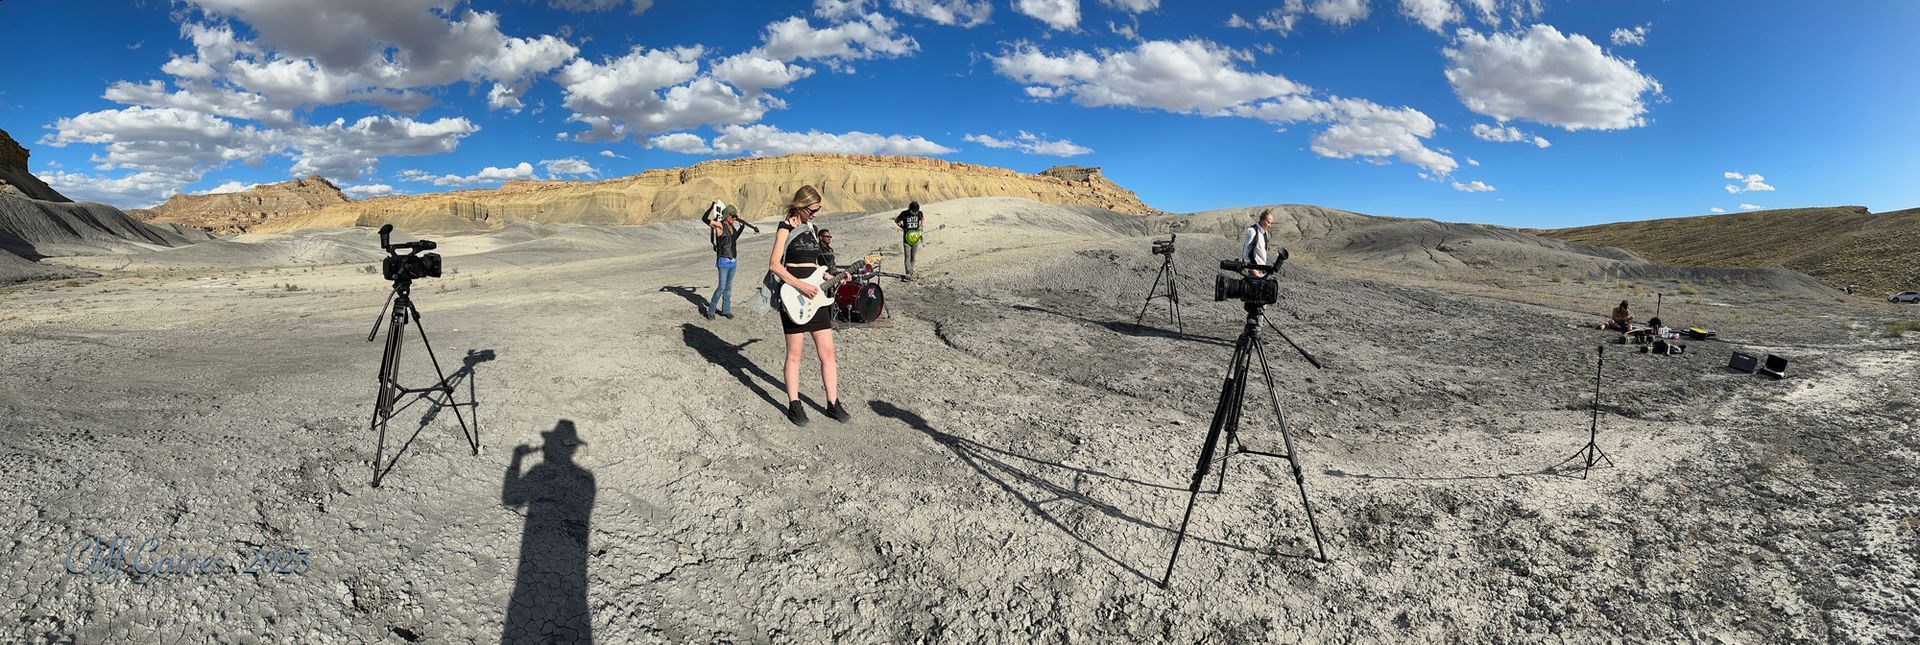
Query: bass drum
[[844, 296], [868, 304]]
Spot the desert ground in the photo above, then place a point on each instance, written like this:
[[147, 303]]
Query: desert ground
[[1017, 461]]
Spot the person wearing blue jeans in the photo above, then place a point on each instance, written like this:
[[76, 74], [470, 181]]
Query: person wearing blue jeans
[[727, 230]]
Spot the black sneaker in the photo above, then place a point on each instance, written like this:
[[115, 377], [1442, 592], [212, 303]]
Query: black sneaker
[[709, 314], [727, 314], [838, 412], [797, 413]]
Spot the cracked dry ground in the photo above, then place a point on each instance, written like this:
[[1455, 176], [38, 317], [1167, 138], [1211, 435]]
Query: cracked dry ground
[[1015, 466]]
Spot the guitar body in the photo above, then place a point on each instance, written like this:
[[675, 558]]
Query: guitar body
[[801, 309]]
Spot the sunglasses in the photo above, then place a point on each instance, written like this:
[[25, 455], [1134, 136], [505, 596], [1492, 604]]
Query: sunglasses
[[814, 208]]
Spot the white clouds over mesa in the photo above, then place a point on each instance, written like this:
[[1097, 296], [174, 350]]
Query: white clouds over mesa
[[1543, 76], [766, 140], [487, 175], [314, 53], [568, 167], [1750, 207], [227, 187], [168, 148], [1198, 77], [1507, 134], [364, 191], [1753, 182], [1032, 144], [1475, 186], [649, 91]]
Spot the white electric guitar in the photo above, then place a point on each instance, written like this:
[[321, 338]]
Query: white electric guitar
[[801, 309]]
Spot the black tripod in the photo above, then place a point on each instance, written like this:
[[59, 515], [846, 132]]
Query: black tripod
[[390, 388], [1171, 278], [1226, 419], [1592, 455]]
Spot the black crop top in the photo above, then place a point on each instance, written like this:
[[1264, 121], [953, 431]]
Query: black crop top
[[803, 246]]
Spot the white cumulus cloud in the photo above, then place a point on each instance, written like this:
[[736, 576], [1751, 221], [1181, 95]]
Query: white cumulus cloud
[[1435, 15], [1717, 209], [1750, 207], [1060, 15], [1507, 134], [487, 175], [1753, 182], [960, 13], [1636, 35], [763, 140], [1339, 13], [1475, 186], [1032, 144], [1544, 76], [568, 167]]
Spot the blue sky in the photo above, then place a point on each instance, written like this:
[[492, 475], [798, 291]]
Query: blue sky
[[1418, 108]]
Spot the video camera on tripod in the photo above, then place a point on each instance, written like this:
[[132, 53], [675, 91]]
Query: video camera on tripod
[[415, 263], [1258, 290], [1165, 247]]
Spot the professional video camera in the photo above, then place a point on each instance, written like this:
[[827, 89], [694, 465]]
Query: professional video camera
[[1262, 290], [1164, 247], [416, 263]]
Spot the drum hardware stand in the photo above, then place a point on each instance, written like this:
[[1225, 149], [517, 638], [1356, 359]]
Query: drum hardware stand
[[1226, 420], [1169, 275], [1591, 455], [390, 388]]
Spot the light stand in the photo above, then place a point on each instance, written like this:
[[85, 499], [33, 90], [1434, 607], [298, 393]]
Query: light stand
[[1171, 277], [1591, 454]]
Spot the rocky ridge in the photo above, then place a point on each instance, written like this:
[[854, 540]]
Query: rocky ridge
[[849, 183], [16, 180], [239, 212]]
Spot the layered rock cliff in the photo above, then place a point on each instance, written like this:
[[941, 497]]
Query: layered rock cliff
[[14, 177], [759, 186], [241, 211]]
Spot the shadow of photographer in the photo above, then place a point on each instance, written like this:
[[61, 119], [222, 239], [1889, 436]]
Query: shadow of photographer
[[549, 601]]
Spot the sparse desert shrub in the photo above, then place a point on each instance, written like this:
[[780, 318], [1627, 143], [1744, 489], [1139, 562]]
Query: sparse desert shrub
[[1900, 328], [1686, 288], [369, 269], [1555, 277], [290, 287], [1580, 279]]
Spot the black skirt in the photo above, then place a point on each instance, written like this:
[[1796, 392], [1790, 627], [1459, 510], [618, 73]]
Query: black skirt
[[822, 319]]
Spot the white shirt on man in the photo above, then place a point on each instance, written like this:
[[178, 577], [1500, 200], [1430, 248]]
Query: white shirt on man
[[1253, 246]]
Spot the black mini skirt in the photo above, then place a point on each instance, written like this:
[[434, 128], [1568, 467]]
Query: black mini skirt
[[822, 319]]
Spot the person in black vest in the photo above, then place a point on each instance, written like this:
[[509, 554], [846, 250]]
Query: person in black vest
[[910, 221], [727, 230], [796, 257]]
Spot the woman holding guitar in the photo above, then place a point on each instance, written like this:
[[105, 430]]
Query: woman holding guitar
[[796, 262]]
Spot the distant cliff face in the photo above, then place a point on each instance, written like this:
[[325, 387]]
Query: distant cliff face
[[759, 186], [15, 179], [240, 212]]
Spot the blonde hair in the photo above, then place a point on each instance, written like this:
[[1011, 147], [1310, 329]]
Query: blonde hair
[[806, 196]]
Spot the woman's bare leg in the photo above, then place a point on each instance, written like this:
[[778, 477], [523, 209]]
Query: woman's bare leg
[[794, 343], [829, 367]]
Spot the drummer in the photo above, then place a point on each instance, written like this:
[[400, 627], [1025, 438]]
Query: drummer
[[826, 252]]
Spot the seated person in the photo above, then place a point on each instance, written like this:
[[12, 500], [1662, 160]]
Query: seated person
[[1622, 319]]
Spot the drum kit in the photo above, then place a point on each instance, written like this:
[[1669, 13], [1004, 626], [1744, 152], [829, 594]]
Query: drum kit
[[859, 298]]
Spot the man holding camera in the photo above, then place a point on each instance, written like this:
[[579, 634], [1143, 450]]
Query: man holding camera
[[1253, 244]]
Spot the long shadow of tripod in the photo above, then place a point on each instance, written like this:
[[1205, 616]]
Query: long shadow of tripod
[[995, 464], [1130, 329], [727, 355], [435, 405]]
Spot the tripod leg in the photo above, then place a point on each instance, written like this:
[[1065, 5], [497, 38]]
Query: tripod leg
[[383, 403], [1150, 292], [1293, 456], [1235, 402], [1174, 296], [1228, 401], [472, 436]]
